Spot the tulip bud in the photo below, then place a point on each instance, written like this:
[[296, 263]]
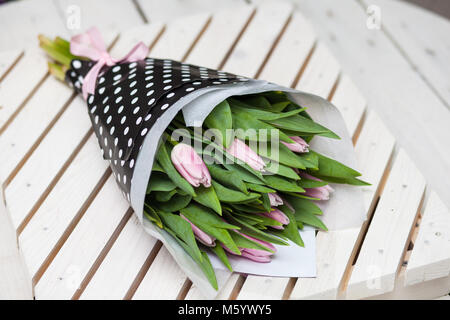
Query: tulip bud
[[201, 236], [241, 151], [276, 215], [257, 255], [299, 145], [322, 193], [189, 164]]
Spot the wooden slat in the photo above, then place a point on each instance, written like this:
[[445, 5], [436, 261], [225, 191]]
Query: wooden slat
[[7, 60], [163, 280], [73, 262], [15, 88], [114, 276], [430, 257], [255, 43], [29, 124], [388, 233], [21, 22], [43, 165], [67, 199], [334, 248], [290, 53], [320, 74], [226, 26]]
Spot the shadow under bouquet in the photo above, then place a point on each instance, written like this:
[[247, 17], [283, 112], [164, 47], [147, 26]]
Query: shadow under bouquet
[[224, 170]]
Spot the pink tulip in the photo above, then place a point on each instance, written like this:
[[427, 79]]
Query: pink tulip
[[299, 145], [190, 165], [201, 236], [256, 255], [241, 151], [276, 215], [275, 199], [322, 193]]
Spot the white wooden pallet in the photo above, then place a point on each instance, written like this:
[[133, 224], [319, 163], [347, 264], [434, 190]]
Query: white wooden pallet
[[79, 238]]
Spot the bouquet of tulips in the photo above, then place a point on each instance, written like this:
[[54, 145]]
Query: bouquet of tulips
[[237, 184]]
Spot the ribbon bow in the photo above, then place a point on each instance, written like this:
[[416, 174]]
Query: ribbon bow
[[91, 45]]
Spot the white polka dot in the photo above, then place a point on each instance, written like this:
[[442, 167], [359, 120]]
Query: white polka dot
[[150, 92], [101, 90], [117, 90], [149, 72], [96, 119], [76, 64], [105, 100], [167, 76], [124, 179], [118, 177], [108, 121], [165, 106], [125, 132], [148, 85], [119, 99], [167, 87], [116, 68], [133, 84], [189, 89], [167, 71], [143, 132], [131, 163], [139, 120], [133, 92], [167, 81], [148, 117], [91, 99], [102, 79], [185, 79], [93, 109], [117, 77], [111, 131], [131, 76], [216, 82], [148, 79], [133, 70], [132, 65], [110, 153], [196, 83], [122, 163], [151, 101], [136, 110], [122, 121], [73, 74], [170, 95], [105, 141], [130, 142], [100, 130], [134, 100], [119, 111], [120, 153], [149, 67], [106, 109]]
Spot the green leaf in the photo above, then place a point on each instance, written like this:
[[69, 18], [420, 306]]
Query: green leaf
[[232, 196], [282, 170], [204, 215], [243, 242], [160, 182], [300, 124], [266, 202], [183, 231], [332, 168], [264, 115], [259, 188], [177, 203], [157, 167], [306, 211], [246, 173], [208, 198], [281, 155], [227, 177], [283, 184], [220, 253], [310, 160], [163, 196], [202, 219], [151, 215], [220, 119], [165, 162], [307, 183], [255, 232], [351, 180]]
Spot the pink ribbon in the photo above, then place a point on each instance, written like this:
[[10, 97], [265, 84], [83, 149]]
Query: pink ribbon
[[91, 45]]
